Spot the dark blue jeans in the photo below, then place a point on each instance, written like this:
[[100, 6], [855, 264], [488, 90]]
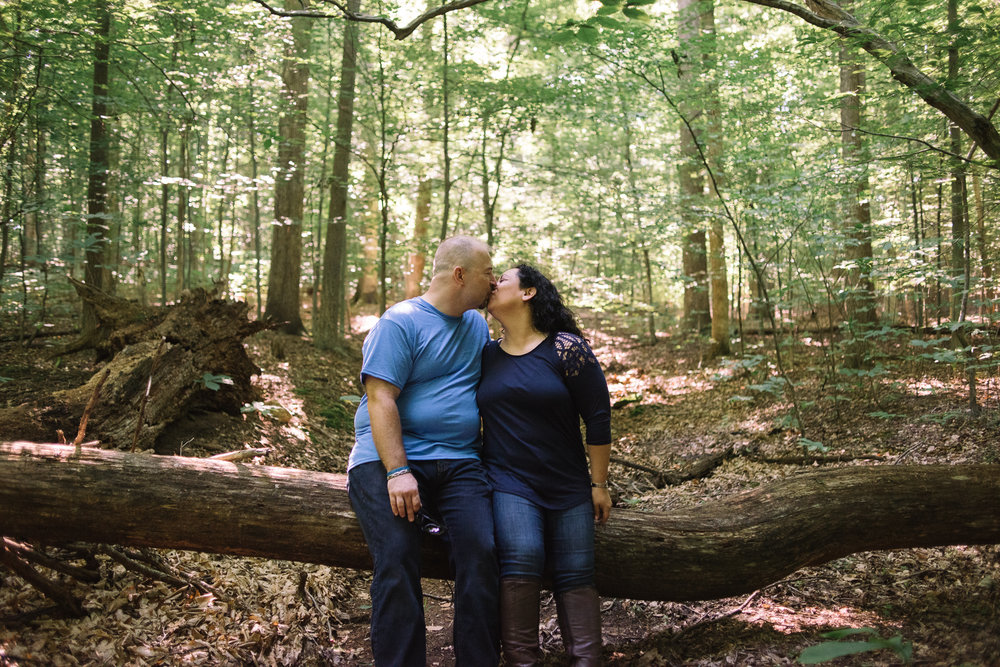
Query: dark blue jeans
[[532, 539], [458, 492]]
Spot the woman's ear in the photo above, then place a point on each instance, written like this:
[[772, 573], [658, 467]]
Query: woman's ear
[[528, 293]]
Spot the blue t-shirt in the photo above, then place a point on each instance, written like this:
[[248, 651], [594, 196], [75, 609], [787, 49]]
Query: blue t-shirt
[[435, 360], [531, 407]]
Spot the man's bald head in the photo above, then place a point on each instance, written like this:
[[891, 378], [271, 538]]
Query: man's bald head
[[460, 251]]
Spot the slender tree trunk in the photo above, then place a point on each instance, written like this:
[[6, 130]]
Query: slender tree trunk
[[986, 307], [918, 290], [283, 303], [183, 194], [417, 258], [446, 130], [97, 184], [164, 213], [637, 227], [694, 255], [859, 303], [958, 209], [718, 278], [367, 288], [7, 166], [255, 217], [35, 166], [324, 183], [330, 315]]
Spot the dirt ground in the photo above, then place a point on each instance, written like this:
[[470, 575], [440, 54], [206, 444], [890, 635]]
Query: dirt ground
[[671, 408]]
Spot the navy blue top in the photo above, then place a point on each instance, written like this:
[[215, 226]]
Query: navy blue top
[[531, 407]]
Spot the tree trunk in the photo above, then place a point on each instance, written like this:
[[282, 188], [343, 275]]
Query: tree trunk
[[183, 194], [959, 232], [445, 133], [289, 189], [97, 184], [718, 278], [694, 256], [719, 549], [859, 302], [367, 288], [417, 259], [329, 326]]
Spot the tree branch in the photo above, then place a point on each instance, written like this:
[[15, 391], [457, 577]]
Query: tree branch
[[344, 12], [977, 126]]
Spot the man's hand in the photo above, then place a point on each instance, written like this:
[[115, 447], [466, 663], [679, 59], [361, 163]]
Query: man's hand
[[404, 497]]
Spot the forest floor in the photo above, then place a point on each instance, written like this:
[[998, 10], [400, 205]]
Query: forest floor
[[671, 408]]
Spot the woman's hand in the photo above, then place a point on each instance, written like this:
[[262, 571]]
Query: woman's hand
[[602, 504]]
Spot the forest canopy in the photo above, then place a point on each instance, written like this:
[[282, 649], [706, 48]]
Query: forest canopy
[[673, 163]]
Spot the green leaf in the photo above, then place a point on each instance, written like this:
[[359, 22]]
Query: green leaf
[[607, 11], [606, 22], [881, 414], [827, 651], [636, 14], [847, 632], [562, 37], [214, 382], [588, 34], [813, 445]]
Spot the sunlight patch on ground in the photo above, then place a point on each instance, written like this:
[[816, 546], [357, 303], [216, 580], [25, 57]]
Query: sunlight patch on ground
[[636, 382], [787, 621], [363, 323], [756, 422], [930, 386]]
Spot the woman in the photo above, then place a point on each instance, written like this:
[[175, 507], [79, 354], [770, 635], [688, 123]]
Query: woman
[[538, 380]]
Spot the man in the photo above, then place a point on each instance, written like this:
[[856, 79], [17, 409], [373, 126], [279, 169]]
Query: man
[[417, 449]]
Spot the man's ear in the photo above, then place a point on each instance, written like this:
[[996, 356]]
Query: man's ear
[[527, 294], [458, 274]]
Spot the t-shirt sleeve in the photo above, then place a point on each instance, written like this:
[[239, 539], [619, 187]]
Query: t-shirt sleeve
[[587, 386], [387, 354]]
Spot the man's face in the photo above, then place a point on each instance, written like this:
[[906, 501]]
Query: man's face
[[480, 280]]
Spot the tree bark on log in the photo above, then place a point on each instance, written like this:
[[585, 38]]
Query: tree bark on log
[[719, 549], [200, 334]]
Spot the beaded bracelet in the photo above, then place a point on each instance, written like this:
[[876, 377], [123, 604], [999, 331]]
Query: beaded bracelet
[[396, 472], [601, 485]]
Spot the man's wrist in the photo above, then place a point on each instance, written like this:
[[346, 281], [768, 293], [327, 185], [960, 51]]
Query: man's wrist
[[599, 485], [397, 472]]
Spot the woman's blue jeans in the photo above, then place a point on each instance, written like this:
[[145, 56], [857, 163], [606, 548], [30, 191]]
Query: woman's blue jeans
[[459, 492], [533, 541]]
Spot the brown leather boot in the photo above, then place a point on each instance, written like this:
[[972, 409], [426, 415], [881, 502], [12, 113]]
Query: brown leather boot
[[579, 613], [519, 621]]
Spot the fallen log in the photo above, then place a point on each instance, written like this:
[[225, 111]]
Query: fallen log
[[721, 548]]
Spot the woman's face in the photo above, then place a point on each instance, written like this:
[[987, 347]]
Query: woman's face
[[508, 292]]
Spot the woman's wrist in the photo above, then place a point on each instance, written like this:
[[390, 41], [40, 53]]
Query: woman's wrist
[[598, 485]]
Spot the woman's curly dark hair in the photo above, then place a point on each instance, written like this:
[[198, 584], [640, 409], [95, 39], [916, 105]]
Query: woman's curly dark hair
[[548, 313]]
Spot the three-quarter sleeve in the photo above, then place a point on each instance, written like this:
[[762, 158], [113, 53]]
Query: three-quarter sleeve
[[587, 387]]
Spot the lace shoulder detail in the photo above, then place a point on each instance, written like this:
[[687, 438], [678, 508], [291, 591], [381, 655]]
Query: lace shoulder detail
[[574, 353]]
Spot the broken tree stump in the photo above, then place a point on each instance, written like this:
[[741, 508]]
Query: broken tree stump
[[168, 349], [721, 548]]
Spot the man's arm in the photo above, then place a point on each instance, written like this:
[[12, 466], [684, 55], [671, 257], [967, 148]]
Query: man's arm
[[387, 432]]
